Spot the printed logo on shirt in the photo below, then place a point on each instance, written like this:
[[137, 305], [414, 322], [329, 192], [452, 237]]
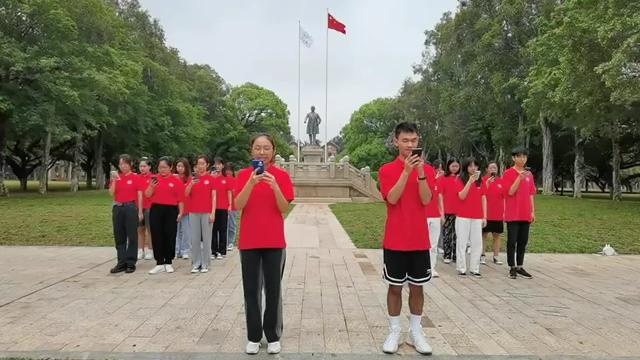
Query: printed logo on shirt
[[170, 184], [224, 182], [129, 182], [499, 186], [527, 179], [206, 182]]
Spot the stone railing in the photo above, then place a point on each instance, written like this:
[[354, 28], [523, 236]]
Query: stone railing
[[338, 180]]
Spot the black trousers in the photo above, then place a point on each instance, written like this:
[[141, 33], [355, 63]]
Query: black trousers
[[163, 232], [219, 232], [263, 269], [517, 239], [125, 233], [449, 237]]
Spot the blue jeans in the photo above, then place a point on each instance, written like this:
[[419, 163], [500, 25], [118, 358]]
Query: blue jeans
[[232, 227], [183, 237]]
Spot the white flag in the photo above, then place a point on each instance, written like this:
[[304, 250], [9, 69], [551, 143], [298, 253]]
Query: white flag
[[305, 38]]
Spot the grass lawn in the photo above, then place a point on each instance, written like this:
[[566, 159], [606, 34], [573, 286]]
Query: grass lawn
[[32, 186], [61, 218], [563, 225]]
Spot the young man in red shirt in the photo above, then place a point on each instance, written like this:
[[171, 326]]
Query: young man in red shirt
[[406, 185], [519, 212]]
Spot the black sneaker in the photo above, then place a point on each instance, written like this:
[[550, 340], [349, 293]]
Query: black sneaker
[[130, 269], [462, 273], [117, 269], [524, 273], [513, 273], [476, 275]]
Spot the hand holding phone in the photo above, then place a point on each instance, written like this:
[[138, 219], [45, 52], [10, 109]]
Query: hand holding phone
[[416, 152], [154, 181], [258, 166], [114, 175]]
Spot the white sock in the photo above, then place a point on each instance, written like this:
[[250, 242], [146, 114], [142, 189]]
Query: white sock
[[414, 322], [146, 249], [394, 322]]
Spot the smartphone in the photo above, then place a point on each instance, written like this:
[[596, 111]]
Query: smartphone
[[154, 179], [527, 169], [417, 152], [196, 176], [494, 174], [114, 174], [258, 165]]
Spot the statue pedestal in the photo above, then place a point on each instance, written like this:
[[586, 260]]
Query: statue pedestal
[[312, 154]]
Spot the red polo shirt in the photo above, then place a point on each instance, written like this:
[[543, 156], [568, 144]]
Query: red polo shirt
[[262, 223], [232, 186], [518, 206], [450, 194], [433, 209], [127, 187], [169, 191], [495, 199], [145, 180], [200, 200], [471, 206], [223, 186], [406, 227]]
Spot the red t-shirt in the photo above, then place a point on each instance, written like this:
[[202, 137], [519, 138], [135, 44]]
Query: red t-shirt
[[450, 194], [518, 206], [495, 199], [127, 187], [433, 209], [471, 206], [262, 223], [406, 227], [200, 200], [169, 191], [145, 181], [232, 187], [223, 186]]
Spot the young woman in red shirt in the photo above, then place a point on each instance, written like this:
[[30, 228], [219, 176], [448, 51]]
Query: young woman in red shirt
[[450, 199], [495, 212], [519, 212], [263, 193], [167, 208], [201, 199], [223, 204], [471, 217], [435, 216], [145, 249], [127, 211], [183, 238]]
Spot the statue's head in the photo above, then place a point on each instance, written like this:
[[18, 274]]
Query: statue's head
[[313, 108]]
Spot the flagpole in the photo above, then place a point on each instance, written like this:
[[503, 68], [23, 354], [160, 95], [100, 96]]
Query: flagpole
[[299, 41], [326, 92]]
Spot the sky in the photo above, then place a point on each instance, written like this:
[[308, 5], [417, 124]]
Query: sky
[[257, 41]]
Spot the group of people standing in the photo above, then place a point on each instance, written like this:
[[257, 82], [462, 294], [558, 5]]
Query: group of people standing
[[189, 214], [456, 204], [180, 213]]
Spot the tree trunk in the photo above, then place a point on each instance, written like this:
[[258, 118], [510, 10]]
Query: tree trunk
[[547, 157], [75, 172], [501, 167], [578, 164], [98, 162], [520, 129], [44, 177], [616, 189], [4, 119], [23, 183]]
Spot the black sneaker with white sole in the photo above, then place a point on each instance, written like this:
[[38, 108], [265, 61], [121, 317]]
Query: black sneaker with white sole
[[513, 273], [476, 275], [522, 272]]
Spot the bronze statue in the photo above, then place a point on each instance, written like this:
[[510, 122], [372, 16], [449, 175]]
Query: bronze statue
[[313, 126]]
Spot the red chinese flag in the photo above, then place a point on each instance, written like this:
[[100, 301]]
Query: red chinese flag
[[337, 25]]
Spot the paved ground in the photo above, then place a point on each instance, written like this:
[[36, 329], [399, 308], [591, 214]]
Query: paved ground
[[57, 301]]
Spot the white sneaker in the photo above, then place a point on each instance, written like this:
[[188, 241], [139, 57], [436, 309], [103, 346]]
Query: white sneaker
[[219, 256], [434, 274], [483, 260], [204, 270], [140, 254], [148, 254], [274, 347], [252, 348], [390, 345], [169, 268], [447, 261], [440, 250], [213, 256], [230, 247], [195, 270], [468, 250], [419, 342], [185, 257], [157, 269]]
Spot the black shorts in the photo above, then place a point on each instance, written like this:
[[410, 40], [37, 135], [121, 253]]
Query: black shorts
[[401, 267], [494, 226]]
